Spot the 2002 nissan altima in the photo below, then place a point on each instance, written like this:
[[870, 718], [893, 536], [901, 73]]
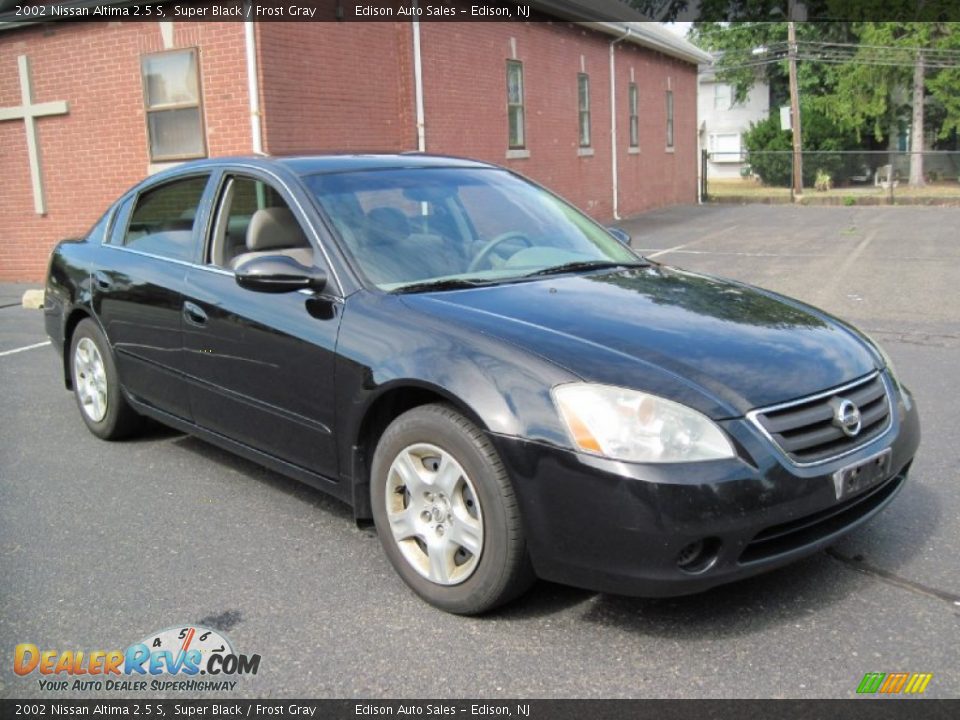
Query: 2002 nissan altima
[[503, 386]]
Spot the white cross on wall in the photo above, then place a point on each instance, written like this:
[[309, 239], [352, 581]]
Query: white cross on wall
[[28, 112]]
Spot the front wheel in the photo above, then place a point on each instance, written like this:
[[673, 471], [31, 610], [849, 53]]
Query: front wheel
[[446, 513], [96, 385]]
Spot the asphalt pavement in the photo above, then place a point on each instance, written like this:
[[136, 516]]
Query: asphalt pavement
[[103, 543]]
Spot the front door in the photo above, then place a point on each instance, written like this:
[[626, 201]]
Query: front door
[[261, 365]]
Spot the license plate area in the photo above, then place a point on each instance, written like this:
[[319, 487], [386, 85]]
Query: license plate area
[[854, 479]]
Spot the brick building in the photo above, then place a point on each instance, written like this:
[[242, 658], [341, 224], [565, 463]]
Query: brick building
[[89, 108]]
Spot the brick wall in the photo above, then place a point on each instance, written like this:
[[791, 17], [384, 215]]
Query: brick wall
[[654, 176], [331, 87], [336, 87], [99, 149], [466, 113]]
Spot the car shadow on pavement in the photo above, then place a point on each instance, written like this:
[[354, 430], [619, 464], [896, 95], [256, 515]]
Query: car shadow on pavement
[[744, 607], [258, 473], [784, 596]]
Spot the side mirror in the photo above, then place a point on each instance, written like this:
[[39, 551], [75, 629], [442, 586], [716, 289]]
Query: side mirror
[[278, 274], [621, 235]]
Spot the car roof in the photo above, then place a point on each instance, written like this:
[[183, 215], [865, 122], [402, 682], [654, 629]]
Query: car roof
[[318, 164]]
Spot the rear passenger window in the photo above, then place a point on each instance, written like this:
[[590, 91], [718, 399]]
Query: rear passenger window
[[119, 227], [163, 219]]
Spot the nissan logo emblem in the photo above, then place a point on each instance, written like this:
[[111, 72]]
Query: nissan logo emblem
[[846, 416]]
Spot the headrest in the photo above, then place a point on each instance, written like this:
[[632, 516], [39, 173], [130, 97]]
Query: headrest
[[273, 228]]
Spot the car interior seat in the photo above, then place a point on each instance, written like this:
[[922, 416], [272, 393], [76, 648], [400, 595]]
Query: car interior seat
[[275, 231]]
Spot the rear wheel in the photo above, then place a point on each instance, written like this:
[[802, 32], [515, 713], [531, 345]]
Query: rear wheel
[[96, 385], [446, 514]]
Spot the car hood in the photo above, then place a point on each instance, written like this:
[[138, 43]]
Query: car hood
[[717, 345]]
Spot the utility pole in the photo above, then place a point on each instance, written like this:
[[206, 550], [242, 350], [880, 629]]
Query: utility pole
[[916, 128], [795, 109]]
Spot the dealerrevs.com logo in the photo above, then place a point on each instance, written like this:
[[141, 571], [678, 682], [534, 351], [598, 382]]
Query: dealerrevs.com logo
[[189, 659]]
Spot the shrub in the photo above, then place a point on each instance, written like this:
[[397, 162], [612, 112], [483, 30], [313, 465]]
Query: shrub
[[823, 181], [820, 136]]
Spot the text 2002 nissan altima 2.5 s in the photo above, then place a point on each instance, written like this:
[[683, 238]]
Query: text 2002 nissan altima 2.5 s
[[503, 386]]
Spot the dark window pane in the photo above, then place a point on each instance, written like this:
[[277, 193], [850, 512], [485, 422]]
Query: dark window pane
[[171, 79], [175, 133], [516, 126], [120, 222], [163, 219], [583, 88], [669, 119], [515, 135], [514, 83]]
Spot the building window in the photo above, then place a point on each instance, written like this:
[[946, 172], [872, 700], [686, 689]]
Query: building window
[[725, 148], [721, 97], [634, 116], [516, 139], [669, 118], [583, 87], [171, 96]]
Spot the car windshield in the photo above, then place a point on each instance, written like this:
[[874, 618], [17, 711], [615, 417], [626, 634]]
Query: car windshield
[[418, 228]]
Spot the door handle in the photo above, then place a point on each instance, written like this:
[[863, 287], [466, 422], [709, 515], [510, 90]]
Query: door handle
[[194, 314], [102, 280]]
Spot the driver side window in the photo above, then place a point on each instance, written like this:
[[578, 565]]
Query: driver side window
[[253, 220]]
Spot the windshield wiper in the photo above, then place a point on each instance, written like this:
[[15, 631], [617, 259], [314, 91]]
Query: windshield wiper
[[448, 284], [585, 265]]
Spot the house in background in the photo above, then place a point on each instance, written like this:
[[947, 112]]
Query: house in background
[[722, 123], [89, 108]]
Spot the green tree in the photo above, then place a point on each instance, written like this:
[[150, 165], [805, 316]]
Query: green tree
[[860, 96]]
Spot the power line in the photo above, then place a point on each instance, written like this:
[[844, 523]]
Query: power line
[[840, 53]]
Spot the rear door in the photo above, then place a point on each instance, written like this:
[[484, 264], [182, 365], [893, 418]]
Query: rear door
[[262, 365], [137, 296]]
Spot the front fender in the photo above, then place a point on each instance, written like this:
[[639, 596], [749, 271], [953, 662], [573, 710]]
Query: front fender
[[384, 345]]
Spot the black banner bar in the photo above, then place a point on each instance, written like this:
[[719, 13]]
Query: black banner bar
[[858, 709], [15, 12]]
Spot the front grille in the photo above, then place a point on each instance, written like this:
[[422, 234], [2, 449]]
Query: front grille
[[783, 538], [805, 431]]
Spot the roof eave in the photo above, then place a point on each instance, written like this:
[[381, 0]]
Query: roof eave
[[641, 34]]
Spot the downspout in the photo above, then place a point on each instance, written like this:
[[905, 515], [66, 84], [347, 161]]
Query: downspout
[[253, 87], [418, 87], [613, 125]]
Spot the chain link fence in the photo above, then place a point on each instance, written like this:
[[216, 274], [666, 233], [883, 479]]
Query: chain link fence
[[833, 177]]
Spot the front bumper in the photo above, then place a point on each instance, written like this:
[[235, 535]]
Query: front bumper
[[620, 527]]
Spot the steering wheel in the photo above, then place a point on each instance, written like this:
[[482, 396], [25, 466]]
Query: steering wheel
[[488, 249]]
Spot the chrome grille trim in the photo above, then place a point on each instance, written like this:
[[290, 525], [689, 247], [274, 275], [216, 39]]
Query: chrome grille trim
[[753, 417]]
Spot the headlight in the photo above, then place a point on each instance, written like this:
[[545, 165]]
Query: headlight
[[633, 426]]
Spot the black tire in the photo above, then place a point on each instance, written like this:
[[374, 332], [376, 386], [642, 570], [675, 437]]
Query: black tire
[[502, 570], [118, 420]]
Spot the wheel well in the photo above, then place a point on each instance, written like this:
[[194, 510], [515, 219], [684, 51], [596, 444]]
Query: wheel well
[[72, 321], [384, 410]]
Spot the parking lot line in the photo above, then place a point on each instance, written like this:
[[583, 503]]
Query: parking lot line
[[24, 348], [705, 238]]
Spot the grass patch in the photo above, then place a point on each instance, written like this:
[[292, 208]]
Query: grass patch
[[847, 195]]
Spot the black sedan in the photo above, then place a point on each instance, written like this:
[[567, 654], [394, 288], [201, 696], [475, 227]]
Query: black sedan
[[502, 385]]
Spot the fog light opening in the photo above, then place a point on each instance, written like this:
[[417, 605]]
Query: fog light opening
[[698, 556]]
